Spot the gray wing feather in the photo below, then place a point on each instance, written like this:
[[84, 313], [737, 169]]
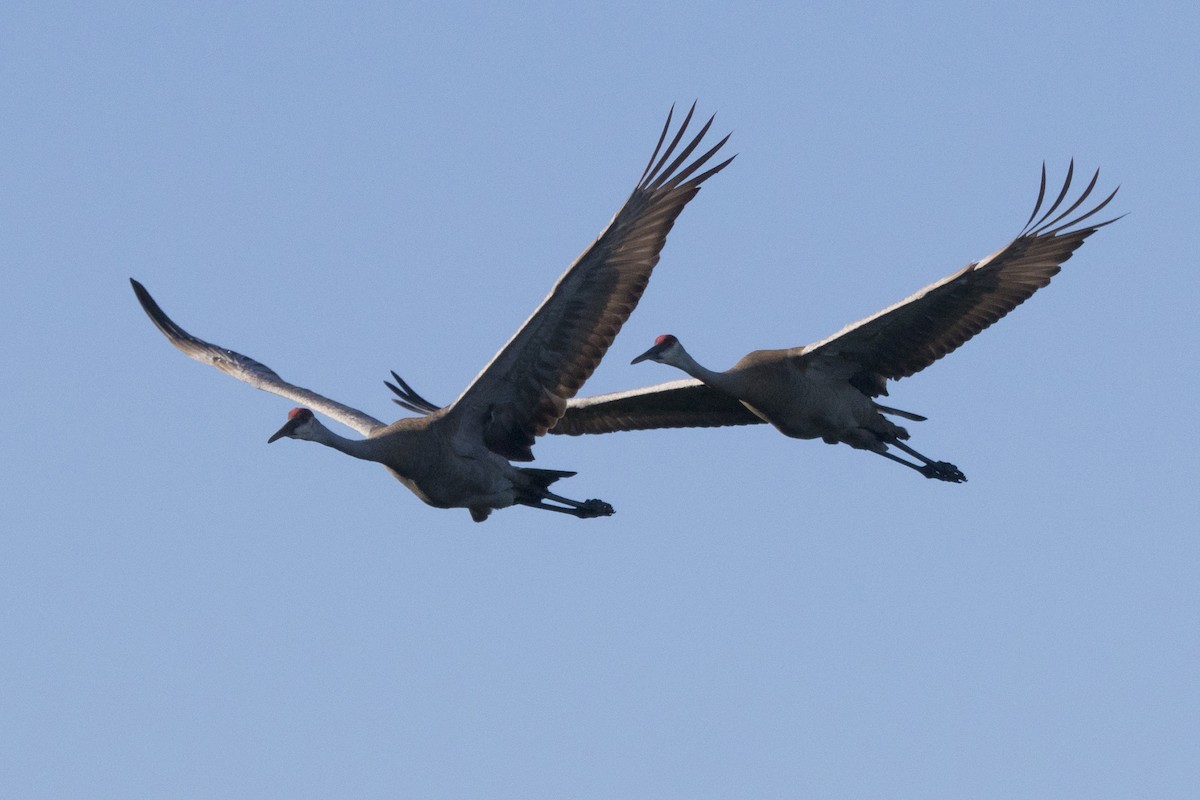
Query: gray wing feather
[[686, 403], [679, 404], [246, 369], [910, 335]]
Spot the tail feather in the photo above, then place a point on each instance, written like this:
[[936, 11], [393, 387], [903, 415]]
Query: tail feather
[[898, 413], [537, 482], [545, 477]]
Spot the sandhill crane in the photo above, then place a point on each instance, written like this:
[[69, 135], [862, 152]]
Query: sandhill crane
[[459, 456], [826, 390]]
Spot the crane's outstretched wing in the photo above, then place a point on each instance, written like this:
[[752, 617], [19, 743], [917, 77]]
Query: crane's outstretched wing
[[247, 369], [686, 403], [524, 390], [910, 335]]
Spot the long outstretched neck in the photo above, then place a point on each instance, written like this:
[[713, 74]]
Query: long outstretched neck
[[314, 431], [681, 359]]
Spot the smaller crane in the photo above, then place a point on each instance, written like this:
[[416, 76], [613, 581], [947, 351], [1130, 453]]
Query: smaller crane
[[827, 390]]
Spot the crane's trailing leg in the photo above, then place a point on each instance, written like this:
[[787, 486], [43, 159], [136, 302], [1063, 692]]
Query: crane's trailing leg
[[942, 470], [536, 492], [585, 510]]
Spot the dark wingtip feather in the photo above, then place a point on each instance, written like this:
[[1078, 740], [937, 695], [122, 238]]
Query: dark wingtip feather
[[687, 151], [1041, 196], [1061, 193], [1050, 222], [702, 178], [1098, 208], [143, 296], [1074, 205], [701, 161], [649, 176], [662, 137], [159, 317]]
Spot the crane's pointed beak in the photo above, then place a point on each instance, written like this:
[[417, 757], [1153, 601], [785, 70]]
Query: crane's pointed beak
[[651, 353], [286, 430]]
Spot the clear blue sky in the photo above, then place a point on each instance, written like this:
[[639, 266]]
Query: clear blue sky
[[338, 191]]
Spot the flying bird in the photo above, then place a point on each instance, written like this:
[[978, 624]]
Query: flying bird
[[458, 457], [827, 390]]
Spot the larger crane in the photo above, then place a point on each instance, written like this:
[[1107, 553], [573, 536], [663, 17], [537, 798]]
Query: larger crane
[[458, 457]]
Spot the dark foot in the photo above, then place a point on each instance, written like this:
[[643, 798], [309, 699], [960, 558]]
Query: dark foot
[[595, 508], [943, 471]]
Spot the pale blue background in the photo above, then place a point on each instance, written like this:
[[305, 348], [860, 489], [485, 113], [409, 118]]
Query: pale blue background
[[339, 191]]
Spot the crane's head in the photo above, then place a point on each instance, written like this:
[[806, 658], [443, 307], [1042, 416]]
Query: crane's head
[[300, 425], [664, 347]]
